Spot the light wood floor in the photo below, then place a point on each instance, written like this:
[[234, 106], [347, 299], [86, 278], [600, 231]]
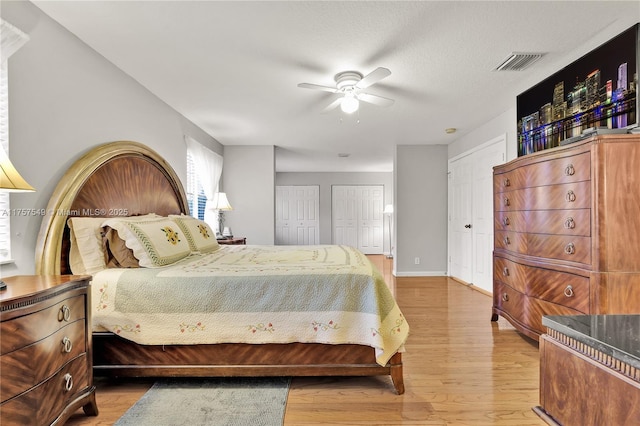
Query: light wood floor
[[459, 369]]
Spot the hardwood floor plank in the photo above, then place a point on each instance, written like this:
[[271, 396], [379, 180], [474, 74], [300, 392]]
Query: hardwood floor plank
[[459, 369]]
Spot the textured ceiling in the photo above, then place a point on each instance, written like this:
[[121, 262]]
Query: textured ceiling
[[233, 67]]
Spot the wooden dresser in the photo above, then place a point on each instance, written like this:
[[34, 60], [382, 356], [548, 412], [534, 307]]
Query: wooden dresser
[[45, 350], [567, 232]]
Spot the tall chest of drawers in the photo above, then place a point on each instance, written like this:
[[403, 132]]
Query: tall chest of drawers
[[45, 350], [567, 232]]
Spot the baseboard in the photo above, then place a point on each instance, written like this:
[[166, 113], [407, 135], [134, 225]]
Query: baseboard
[[420, 274]]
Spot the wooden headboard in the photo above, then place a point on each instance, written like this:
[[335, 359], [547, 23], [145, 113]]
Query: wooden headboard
[[114, 179]]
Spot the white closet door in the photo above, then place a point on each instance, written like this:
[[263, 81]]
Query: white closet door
[[344, 215], [471, 213], [357, 217], [297, 215]]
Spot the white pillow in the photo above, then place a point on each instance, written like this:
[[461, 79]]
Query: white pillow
[[199, 234], [155, 242], [85, 254]]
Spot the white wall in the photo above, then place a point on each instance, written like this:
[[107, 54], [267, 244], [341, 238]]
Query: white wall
[[64, 99], [327, 180], [248, 178], [421, 210]]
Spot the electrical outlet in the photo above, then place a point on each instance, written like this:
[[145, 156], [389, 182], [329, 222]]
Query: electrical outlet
[[417, 260]]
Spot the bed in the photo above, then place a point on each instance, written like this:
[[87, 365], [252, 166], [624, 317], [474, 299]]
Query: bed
[[126, 184]]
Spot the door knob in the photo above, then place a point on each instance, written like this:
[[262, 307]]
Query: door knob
[[468, 225]]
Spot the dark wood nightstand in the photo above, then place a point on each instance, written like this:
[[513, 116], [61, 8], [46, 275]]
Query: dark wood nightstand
[[46, 365], [233, 241]]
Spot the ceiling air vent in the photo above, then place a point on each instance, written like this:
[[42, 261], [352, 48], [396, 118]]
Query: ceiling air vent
[[517, 61]]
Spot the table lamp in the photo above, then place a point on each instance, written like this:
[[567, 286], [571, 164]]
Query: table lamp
[[10, 181], [221, 203]]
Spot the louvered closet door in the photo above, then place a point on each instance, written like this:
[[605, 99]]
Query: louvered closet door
[[297, 215]]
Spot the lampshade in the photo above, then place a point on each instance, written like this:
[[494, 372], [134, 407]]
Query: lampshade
[[10, 179], [220, 202], [349, 103], [388, 209]]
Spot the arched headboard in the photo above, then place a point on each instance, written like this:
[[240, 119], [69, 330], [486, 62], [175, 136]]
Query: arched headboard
[[114, 179]]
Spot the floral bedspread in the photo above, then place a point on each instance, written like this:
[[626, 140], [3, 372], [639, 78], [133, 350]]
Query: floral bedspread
[[254, 294]]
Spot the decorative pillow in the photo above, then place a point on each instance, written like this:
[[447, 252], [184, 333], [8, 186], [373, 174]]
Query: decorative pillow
[[155, 242], [85, 253], [116, 252], [199, 234]]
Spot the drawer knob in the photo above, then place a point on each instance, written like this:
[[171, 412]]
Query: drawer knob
[[67, 345], [505, 271], [569, 170], [507, 182], [506, 221], [568, 291], [505, 297], [570, 197], [569, 249], [506, 241], [569, 223], [68, 382], [65, 313], [507, 203]]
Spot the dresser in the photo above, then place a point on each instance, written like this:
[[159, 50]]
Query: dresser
[[45, 351], [567, 232]]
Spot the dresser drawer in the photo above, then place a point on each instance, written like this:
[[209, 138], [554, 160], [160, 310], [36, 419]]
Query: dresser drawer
[[510, 273], [560, 247], [561, 222], [509, 300], [510, 221], [561, 288], [42, 404], [24, 330], [537, 308], [573, 168], [511, 241], [563, 196], [508, 181], [26, 367]]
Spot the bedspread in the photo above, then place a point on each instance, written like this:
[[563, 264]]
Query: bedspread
[[254, 294]]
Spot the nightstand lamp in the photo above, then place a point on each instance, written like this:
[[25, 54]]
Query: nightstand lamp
[[221, 203], [10, 181]]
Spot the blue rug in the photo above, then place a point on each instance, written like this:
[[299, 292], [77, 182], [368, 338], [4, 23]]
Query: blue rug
[[241, 401]]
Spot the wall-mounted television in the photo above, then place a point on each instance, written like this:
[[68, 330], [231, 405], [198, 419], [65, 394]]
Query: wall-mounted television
[[597, 91]]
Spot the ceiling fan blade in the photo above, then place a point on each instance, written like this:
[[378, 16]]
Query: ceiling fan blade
[[318, 87], [373, 77], [332, 105], [375, 99]]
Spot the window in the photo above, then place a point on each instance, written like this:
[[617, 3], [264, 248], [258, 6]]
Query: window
[[12, 40], [204, 168], [195, 193]]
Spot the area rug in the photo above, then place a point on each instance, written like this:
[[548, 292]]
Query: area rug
[[211, 401]]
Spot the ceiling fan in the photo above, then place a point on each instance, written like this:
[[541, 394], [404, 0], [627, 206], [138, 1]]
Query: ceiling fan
[[350, 84]]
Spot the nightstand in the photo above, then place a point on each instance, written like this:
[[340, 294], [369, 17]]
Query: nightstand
[[46, 366], [233, 241]]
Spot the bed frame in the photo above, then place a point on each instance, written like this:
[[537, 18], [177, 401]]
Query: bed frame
[[129, 177]]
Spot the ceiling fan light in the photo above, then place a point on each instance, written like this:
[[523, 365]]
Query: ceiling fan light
[[350, 104]]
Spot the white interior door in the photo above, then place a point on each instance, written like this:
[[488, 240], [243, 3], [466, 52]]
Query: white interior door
[[484, 161], [460, 218], [357, 218], [471, 213], [297, 215]]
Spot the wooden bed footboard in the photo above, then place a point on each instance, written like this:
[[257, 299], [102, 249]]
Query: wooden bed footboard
[[115, 356]]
